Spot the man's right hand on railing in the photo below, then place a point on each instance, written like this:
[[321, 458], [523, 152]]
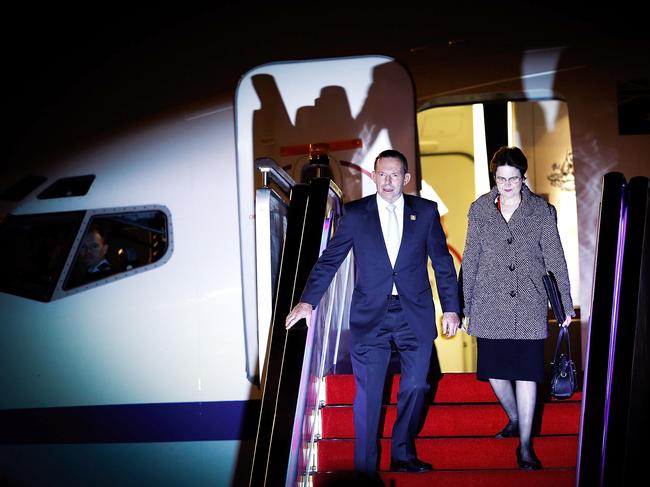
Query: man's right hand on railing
[[300, 311]]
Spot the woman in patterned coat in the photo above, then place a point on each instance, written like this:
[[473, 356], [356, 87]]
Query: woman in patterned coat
[[512, 240]]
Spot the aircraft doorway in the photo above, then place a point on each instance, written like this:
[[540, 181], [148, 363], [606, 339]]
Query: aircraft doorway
[[457, 140]]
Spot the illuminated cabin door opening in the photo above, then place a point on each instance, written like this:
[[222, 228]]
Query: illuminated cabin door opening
[[454, 141]]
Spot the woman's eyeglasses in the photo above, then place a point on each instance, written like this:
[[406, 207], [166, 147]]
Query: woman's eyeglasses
[[512, 180]]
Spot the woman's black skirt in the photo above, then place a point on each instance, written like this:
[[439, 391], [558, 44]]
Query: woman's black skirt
[[510, 359]]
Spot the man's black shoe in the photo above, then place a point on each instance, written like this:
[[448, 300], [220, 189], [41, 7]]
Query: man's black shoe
[[414, 465]]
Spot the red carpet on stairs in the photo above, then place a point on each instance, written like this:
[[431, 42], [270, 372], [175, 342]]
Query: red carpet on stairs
[[457, 437]]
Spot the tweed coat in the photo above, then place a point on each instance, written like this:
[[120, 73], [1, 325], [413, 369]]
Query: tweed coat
[[503, 264]]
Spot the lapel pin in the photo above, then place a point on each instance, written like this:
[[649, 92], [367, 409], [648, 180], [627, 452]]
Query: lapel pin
[[413, 217]]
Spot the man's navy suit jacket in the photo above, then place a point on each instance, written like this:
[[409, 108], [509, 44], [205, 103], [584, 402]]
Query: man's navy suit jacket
[[422, 237]]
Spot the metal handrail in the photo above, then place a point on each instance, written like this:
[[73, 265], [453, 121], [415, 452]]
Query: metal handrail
[[329, 321], [269, 168]]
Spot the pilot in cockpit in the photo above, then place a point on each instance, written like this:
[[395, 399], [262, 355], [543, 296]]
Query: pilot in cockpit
[[93, 253]]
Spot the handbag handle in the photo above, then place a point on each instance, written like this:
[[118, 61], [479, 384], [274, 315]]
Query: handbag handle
[[562, 336]]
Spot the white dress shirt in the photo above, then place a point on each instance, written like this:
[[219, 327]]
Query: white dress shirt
[[382, 207]]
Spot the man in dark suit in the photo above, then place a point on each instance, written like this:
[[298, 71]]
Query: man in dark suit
[[391, 234]]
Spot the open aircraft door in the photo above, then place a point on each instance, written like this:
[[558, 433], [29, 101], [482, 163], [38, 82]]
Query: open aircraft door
[[356, 107]]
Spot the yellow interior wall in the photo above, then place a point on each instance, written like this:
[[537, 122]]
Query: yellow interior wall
[[446, 156]]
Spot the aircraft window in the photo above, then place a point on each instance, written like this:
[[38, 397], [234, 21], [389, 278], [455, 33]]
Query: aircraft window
[[22, 188], [33, 250], [118, 243], [66, 187]]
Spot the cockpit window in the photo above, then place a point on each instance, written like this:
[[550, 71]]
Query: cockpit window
[[33, 250], [66, 187], [53, 255], [118, 243]]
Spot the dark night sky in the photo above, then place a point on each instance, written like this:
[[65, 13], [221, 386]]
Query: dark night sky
[[71, 74]]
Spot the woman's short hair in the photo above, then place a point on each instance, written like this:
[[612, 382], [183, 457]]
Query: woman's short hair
[[509, 156], [393, 154]]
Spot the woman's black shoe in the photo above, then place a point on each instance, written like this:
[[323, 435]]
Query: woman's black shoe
[[510, 431], [533, 464]]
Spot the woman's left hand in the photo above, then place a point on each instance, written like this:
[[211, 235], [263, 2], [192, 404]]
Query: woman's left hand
[[566, 322]]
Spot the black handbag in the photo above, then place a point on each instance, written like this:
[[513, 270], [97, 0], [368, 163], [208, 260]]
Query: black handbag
[[554, 297], [564, 377]]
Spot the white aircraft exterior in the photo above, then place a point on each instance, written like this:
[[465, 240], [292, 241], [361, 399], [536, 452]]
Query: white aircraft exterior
[[149, 376]]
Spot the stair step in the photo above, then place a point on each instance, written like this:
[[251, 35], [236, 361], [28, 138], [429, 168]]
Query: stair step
[[558, 418], [458, 478], [451, 388], [458, 453]]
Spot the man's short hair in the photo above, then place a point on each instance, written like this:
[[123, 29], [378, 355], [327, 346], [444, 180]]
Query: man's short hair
[[392, 153], [99, 228]]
